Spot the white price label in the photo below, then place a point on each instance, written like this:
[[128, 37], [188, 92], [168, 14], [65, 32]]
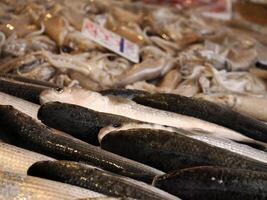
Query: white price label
[[111, 41]]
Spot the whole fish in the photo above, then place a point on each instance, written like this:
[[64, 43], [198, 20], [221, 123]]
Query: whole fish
[[207, 111], [18, 160], [214, 183], [227, 144], [130, 109], [35, 136], [168, 151], [22, 105], [18, 186], [78, 121], [96, 179], [201, 109]]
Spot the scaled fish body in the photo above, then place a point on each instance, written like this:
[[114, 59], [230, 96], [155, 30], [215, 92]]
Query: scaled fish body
[[97, 180], [208, 111], [201, 109], [37, 137], [230, 145], [170, 151], [214, 183], [15, 186], [24, 106], [21, 89], [130, 109], [18, 160], [78, 121]]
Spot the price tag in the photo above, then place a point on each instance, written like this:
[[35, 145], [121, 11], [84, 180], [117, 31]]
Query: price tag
[[111, 41], [222, 9]]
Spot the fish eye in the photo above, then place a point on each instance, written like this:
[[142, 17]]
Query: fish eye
[[116, 125], [59, 89]]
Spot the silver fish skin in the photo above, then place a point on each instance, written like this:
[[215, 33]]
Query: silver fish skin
[[18, 160], [230, 145], [16, 186], [130, 109], [22, 105]]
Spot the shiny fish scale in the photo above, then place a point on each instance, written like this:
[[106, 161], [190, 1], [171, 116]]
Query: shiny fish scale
[[14, 186], [18, 160]]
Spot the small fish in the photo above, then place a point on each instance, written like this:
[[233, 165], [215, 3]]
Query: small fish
[[35, 136], [206, 107], [230, 145], [96, 179], [130, 109], [78, 121], [168, 151], [22, 105], [16, 186], [208, 111], [214, 183], [18, 160]]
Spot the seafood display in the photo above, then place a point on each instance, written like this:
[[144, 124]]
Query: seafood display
[[125, 100]]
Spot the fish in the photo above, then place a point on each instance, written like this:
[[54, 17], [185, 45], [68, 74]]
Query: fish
[[97, 180], [168, 151], [208, 111], [130, 109], [214, 183], [227, 144], [18, 160], [78, 121], [22, 105], [34, 136], [24, 90], [19, 186]]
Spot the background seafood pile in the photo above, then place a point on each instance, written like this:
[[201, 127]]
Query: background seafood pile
[[78, 121]]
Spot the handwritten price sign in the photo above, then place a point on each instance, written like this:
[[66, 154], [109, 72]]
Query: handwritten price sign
[[111, 41]]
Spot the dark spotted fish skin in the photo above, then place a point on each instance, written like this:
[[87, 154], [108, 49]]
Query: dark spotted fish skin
[[96, 179], [168, 151], [207, 111], [125, 93], [32, 135], [78, 121], [214, 183]]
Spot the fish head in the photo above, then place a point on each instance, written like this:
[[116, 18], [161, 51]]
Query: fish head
[[69, 95]]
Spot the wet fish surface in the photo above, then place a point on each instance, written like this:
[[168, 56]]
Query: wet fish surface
[[15, 186], [227, 144], [125, 93], [215, 183], [96, 179], [207, 111], [78, 121], [35, 136], [18, 160], [24, 90], [29, 80], [22, 105], [130, 109], [170, 151]]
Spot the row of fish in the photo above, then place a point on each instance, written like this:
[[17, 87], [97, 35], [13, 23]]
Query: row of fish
[[147, 145]]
